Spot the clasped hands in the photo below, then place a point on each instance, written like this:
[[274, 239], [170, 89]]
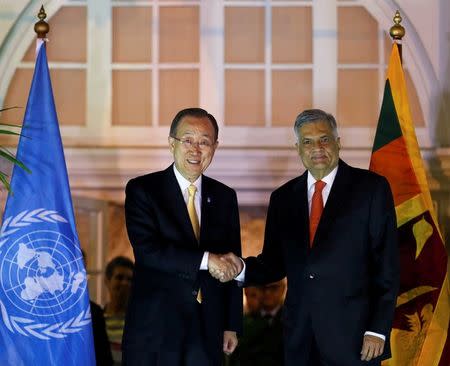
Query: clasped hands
[[224, 267]]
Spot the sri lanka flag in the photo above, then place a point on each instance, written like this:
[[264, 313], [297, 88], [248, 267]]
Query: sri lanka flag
[[421, 322]]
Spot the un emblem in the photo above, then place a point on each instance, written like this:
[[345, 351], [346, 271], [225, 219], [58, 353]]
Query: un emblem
[[42, 276]]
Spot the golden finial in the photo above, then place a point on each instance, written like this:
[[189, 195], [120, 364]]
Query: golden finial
[[41, 27], [397, 31]]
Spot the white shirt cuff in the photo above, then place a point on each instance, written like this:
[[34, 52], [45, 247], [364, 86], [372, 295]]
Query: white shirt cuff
[[376, 335], [241, 276], [204, 264]]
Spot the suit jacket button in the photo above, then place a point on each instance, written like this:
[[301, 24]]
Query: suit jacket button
[[194, 293], [311, 276]]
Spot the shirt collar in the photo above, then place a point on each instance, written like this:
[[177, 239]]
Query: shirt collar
[[184, 183], [329, 179]]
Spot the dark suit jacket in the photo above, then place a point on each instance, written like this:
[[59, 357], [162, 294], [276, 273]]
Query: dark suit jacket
[[168, 258], [347, 283]]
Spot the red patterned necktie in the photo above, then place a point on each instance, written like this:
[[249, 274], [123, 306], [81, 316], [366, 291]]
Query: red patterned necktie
[[316, 210]]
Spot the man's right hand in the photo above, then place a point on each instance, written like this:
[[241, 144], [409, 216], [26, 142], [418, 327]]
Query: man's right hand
[[224, 267], [372, 347]]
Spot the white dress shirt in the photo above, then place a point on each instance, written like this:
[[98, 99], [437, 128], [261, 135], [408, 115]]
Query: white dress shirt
[[329, 179], [184, 185]]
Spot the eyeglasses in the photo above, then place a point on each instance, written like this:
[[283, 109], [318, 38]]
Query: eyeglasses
[[189, 143]]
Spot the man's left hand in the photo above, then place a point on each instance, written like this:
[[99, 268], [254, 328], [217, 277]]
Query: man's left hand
[[372, 347], [230, 342]]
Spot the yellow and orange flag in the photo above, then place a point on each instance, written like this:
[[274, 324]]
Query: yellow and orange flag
[[421, 323]]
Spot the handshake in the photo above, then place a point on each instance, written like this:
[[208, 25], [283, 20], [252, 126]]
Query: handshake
[[224, 267]]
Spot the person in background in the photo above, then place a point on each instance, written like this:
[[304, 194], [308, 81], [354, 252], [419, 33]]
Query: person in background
[[103, 355], [262, 340], [118, 277], [253, 297]]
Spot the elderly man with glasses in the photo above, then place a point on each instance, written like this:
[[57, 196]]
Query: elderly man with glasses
[[177, 219]]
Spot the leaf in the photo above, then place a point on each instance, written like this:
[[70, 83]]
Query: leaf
[[5, 182], [7, 132], [10, 157], [7, 155], [57, 217], [10, 125], [8, 108]]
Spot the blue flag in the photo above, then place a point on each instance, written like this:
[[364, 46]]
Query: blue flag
[[44, 298]]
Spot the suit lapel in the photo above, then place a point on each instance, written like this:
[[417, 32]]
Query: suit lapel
[[300, 212], [175, 202], [207, 207], [335, 202]]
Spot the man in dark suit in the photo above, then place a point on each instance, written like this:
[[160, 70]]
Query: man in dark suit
[[332, 232], [262, 341], [103, 355], [177, 219]]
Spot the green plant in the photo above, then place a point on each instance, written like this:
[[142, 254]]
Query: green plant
[[5, 153]]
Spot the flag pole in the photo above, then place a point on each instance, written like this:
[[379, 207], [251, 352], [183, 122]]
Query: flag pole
[[41, 27], [424, 287], [45, 317], [397, 32]]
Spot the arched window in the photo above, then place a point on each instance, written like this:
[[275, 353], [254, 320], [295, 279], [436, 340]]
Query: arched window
[[122, 69]]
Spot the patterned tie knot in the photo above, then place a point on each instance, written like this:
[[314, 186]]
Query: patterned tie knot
[[319, 186], [192, 189]]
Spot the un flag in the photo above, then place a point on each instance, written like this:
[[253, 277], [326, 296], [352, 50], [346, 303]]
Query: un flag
[[44, 299]]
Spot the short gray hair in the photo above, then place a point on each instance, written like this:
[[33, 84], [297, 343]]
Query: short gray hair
[[315, 115]]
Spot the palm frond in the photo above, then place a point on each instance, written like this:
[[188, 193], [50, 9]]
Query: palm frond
[[8, 108], [8, 132], [4, 181], [8, 155], [10, 125]]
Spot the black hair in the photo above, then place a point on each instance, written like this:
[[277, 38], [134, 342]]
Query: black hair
[[119, 261], [194, 112]]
